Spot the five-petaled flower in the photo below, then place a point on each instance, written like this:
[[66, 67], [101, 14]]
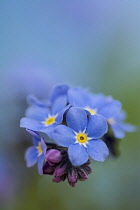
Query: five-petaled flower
[[36, 153], [81, 136], [45, 119], [119, 127], [94, 104]]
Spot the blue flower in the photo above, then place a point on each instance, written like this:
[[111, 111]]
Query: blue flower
[[59, 92], [119, 127], [36, 152], [94, 104], [81, 136], [44, 119]]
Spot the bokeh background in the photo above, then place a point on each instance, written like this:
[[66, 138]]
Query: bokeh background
[[94, 44]]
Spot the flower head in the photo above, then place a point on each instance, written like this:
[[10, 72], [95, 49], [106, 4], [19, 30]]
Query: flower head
[[81, 136], [78, 121], [37, 152]]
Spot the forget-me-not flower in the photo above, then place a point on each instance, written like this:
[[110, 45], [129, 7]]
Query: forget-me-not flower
[[36, 153], [81, 136], [118, 125], [58, 92], [45, 119], [94, 104]]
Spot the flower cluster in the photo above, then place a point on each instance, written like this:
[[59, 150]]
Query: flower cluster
[[82, 126]]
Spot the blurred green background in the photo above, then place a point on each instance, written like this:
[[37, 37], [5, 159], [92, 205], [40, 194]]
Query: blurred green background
[[94, 44]]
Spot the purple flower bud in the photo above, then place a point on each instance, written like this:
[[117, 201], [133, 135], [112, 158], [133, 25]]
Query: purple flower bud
[[82, 175], [47, 169], [53, 156], [72, 178], [58, 179], [72, 184], [59, 171], [87, 169]]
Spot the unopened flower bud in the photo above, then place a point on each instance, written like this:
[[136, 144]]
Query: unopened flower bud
[[72, 178], [47, 169], [59, 171], [82, 175], [53, 156], [58, 179]]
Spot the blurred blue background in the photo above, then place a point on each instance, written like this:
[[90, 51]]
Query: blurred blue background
[[94, 44]]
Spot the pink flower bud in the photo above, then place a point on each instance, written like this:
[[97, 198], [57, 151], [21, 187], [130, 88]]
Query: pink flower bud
[[53, 156]]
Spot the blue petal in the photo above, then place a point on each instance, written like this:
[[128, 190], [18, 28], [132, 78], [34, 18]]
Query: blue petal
[[30, 124], [118, 131], [59, 90], [128, 127], [82, 98], [34, 134], [96, 101], [44, 146], [77, 119], [37, 113], [110, 109], [60, 115], [59, 104], [40, 164], [35, 137], [97, 126], [35, 141], [120, 116], [31, 156], [97, 149], [49, 129], [78, 97], [77, 154], [63, 135], [32, 100]]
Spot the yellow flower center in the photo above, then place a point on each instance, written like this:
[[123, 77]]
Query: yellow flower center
[[49, 120], [81, 138], [92, 111], [39, 148]]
